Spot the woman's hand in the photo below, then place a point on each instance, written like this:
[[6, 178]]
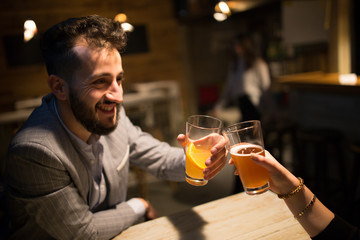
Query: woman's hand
[[281, 180]]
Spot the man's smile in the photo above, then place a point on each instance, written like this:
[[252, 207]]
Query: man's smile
[[106, 108]]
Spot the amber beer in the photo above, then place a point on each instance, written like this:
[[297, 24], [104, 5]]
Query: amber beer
[[253, 177]]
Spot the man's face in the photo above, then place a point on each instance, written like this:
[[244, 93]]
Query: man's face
[[95, 92]]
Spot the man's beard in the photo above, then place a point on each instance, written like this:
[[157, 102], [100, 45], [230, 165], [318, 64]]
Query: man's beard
[[87, 117]]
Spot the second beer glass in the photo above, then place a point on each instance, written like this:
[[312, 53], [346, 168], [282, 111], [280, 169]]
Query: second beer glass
[[243, 139]]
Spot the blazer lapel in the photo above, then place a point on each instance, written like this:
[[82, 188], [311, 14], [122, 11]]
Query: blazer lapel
[[116, 169]]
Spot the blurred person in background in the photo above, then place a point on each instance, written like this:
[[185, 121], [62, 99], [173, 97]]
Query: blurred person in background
[[247, 84], [247, 80]]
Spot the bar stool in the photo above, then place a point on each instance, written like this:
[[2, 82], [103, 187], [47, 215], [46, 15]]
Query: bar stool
[[326, 148]]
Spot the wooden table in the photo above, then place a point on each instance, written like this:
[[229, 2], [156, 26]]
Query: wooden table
[[239, 216]]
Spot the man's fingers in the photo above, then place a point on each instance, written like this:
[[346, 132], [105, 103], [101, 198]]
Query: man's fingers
[[181, 138], [221, 144], [214, 170]]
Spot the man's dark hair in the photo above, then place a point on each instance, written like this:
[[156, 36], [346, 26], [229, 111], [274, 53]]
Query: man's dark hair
[[58, 42]]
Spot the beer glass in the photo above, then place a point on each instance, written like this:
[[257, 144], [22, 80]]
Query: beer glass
[[202, 133], [243, 139]]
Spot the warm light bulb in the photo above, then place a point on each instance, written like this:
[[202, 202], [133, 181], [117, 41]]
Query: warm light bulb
[[127, 27], [224, 8], [30, 25], [121, 17], [28, 35], [220, 17], [30, 30]]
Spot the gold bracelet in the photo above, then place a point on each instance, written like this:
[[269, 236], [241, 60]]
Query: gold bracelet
[[296, 190], [306, 208]]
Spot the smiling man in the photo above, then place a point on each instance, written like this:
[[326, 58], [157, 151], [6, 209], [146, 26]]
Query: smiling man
[[95, 95], [67, 168]]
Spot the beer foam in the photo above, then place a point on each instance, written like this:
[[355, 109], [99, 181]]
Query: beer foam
[[236, 148]]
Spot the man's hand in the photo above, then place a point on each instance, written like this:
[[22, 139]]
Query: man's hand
[[150, 212], [218, 158]]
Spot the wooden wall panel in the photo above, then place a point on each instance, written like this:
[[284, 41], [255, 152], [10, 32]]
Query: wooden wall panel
[[162, 62]]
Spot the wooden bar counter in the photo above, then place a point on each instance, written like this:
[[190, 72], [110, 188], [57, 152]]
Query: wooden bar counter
[[318, 81], [239, 216], [317, 100]]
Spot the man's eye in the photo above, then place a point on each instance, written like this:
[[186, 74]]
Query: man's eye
[[100, 81], [120, 80]]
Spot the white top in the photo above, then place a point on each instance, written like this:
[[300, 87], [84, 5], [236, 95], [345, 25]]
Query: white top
[[257, 81], [253, 82]]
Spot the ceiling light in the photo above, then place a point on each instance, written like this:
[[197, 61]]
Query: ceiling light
[[121, 17], [224, 8], [30, 30], [127, 27], [220, 16]]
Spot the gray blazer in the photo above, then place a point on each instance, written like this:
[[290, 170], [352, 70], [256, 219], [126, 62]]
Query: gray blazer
[[48, 183]]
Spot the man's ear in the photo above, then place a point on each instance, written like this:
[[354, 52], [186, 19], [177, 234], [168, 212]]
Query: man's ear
[[58, 87]]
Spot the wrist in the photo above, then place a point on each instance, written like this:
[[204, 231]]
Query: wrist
[[138, 206], [287, 185], [298, 187], [146, 204]]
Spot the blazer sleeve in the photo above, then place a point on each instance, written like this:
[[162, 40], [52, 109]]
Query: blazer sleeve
[[158, 158], [44, 195]]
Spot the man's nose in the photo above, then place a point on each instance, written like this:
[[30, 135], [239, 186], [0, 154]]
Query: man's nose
[[115, 92]]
